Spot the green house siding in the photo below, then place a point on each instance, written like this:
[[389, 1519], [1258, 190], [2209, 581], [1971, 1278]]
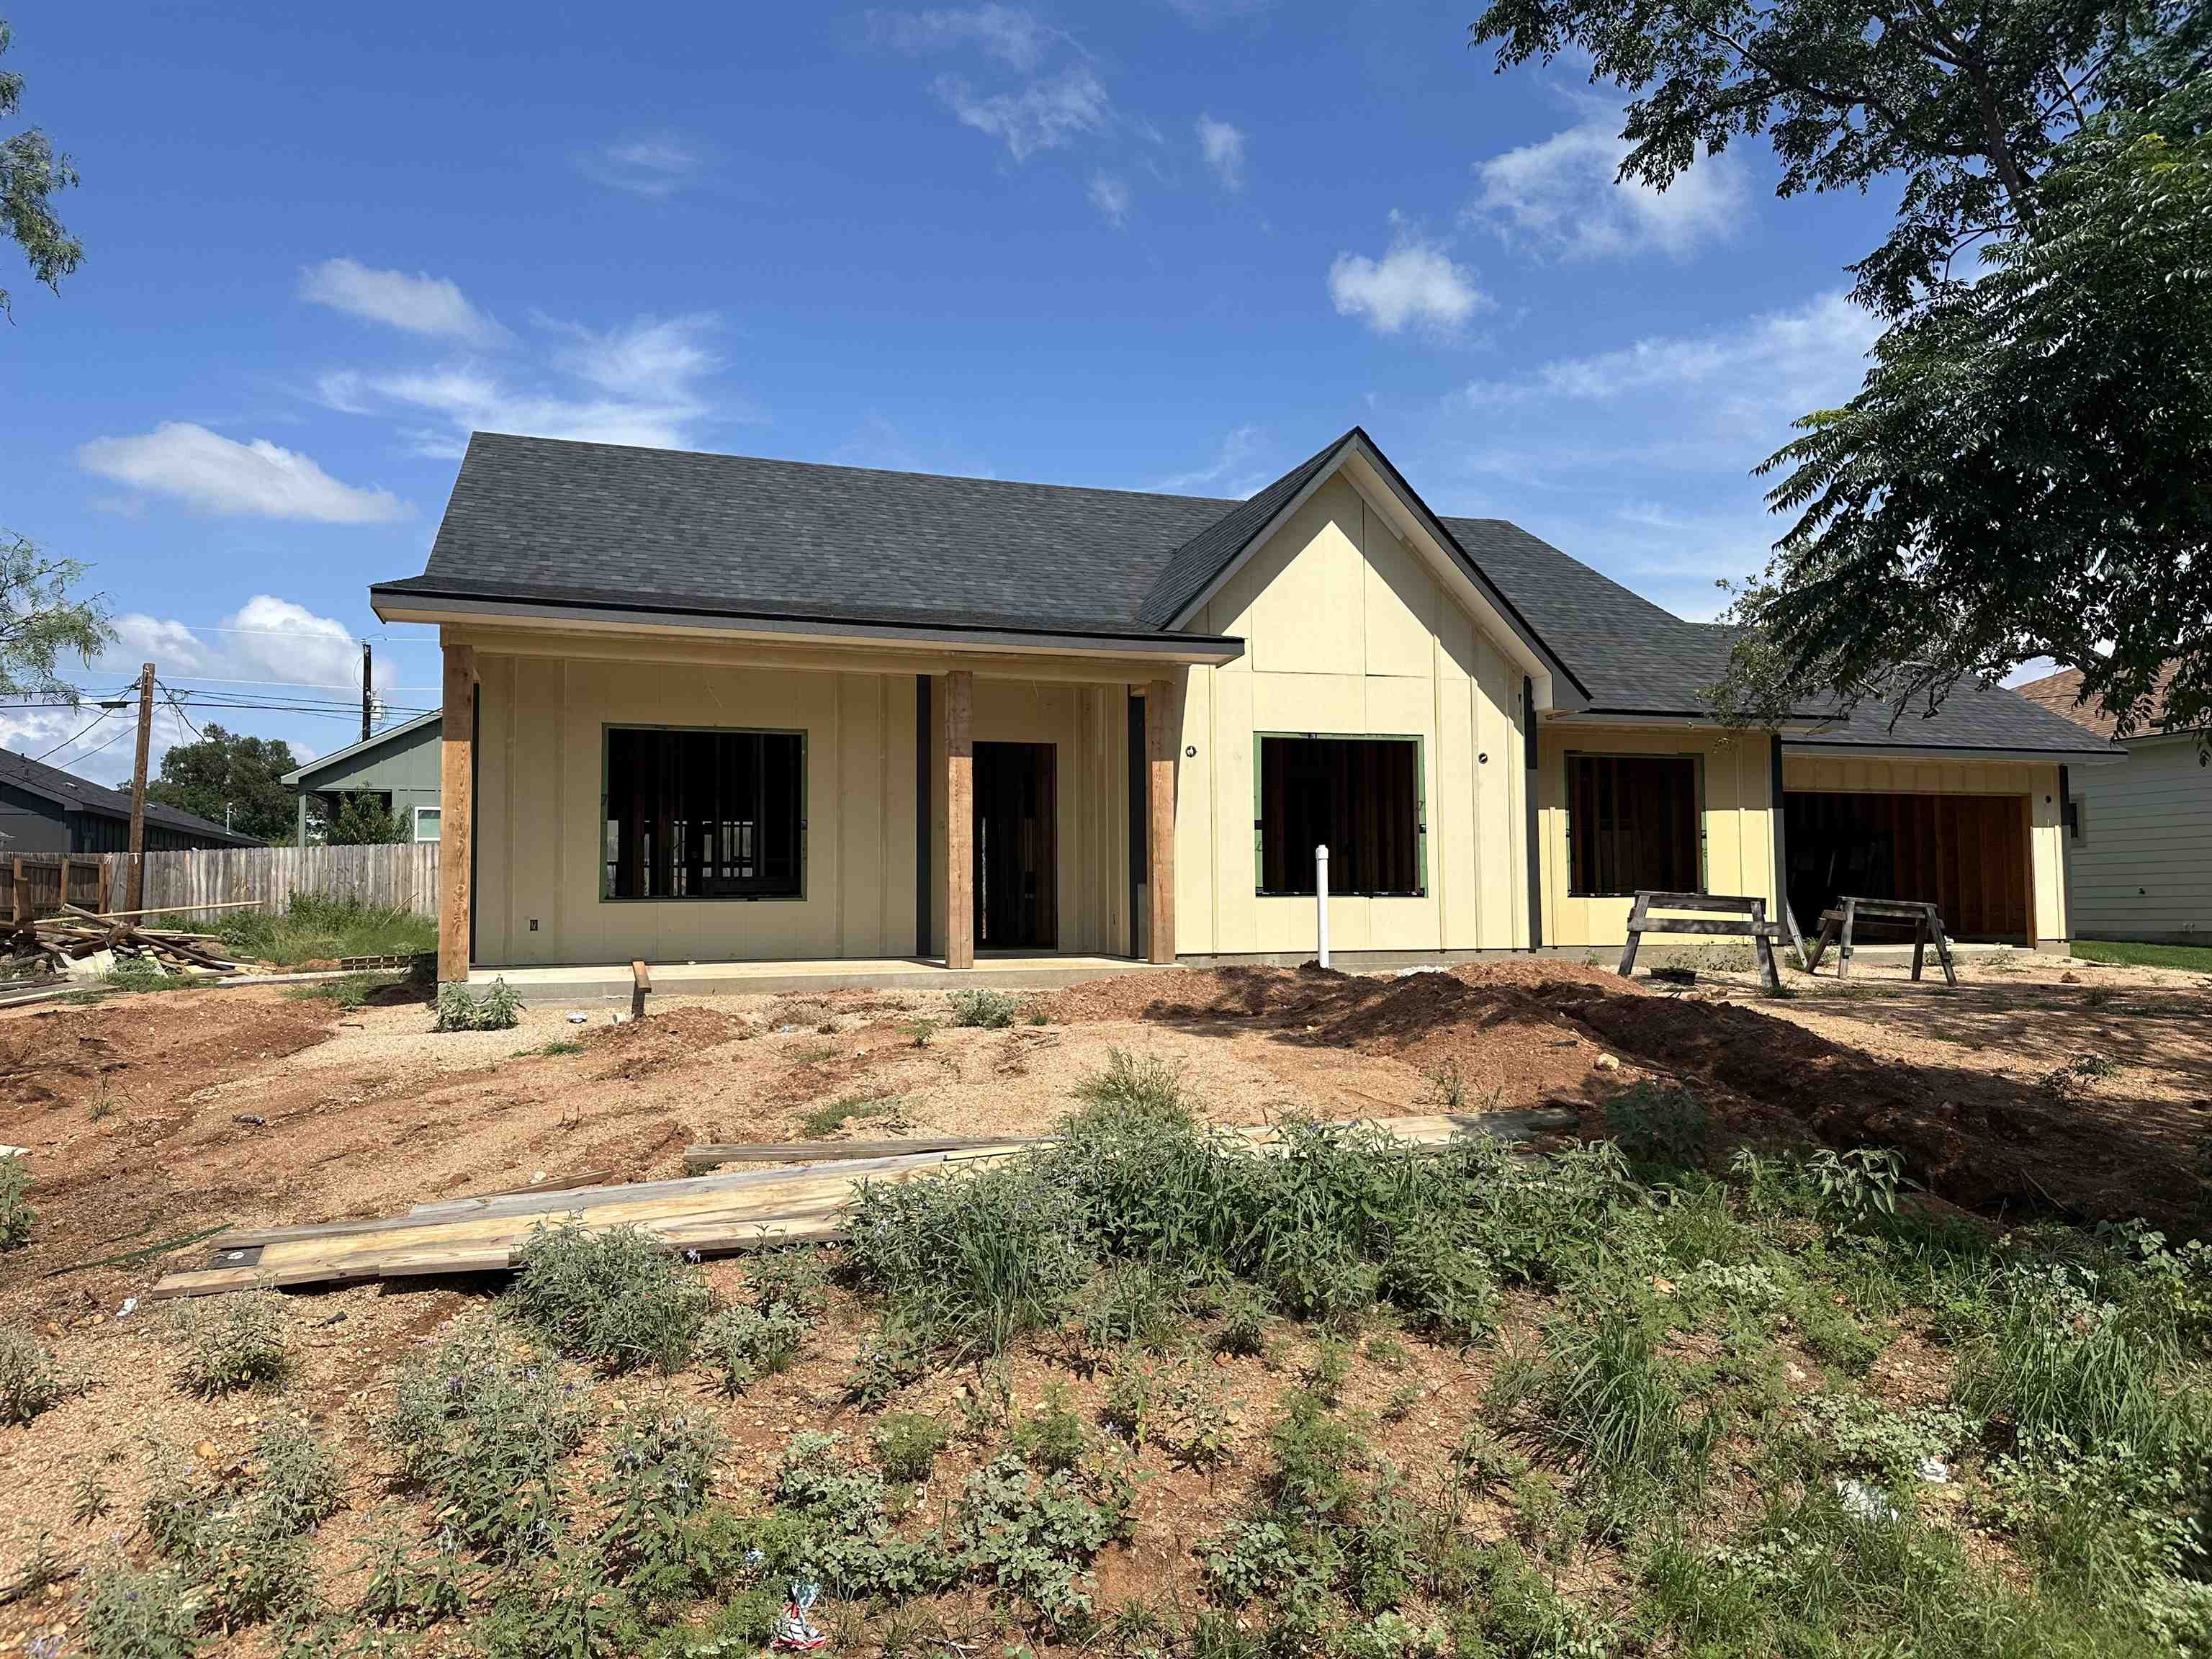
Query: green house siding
[[400, 766]]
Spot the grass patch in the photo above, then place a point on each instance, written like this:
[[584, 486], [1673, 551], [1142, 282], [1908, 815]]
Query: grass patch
[[321, 930], [2190, 958], [821, 1121], [353, 991]]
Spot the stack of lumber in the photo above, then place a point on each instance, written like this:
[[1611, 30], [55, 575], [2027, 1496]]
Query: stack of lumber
[[52, 943], [711, 1214]]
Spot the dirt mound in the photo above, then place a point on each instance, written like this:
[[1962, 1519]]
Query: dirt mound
[[76, 1054], [1978, 1138], [639, 1047]]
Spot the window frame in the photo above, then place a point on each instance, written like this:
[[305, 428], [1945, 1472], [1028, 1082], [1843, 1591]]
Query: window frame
[[1697, 807], [608, 728], [437, 812], [1420, 811]]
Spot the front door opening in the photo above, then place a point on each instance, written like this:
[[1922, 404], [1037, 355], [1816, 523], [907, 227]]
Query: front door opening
[[1016, 847]]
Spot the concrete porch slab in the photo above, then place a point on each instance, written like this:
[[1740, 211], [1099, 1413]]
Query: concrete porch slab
[[590, 984]]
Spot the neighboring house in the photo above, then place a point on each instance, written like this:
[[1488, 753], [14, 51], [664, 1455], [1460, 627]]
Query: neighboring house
[[45, 810], [398, 768], [2139, 839], [712, 707]]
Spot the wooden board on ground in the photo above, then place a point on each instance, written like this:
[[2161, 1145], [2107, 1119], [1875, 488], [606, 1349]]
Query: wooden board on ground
[[719, 1212]]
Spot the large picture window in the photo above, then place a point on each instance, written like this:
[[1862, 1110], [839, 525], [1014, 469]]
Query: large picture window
[[1633, 823], [1359, 797], [704, 815]]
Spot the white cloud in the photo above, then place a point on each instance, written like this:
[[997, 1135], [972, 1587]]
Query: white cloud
[[1416, 282], [1223, 146], [1210, 14], [1559, 198], [1225, 475], [641, 383], [221, 475], [652, 164], [1045, 115], [1753, 375], [1110, 195], [1010, 33], [421, 304], [268, 641]]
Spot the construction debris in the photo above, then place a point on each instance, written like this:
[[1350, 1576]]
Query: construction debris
[[704, 1214], [55, 943]]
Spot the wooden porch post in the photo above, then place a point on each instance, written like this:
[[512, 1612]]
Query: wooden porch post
[[959, 821], [1162, 739], [457, 840]]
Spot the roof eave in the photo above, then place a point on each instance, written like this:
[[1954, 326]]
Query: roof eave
[[393, 602], [1879, 748], [324, 762]]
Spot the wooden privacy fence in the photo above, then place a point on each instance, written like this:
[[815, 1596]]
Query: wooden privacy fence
[[33, 885], [396, 878]]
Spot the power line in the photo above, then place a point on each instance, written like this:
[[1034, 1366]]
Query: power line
[[80, 737]]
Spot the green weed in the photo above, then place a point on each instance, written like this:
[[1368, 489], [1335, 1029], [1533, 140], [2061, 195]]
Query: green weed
[[232, 1342], [743, 1345], [29, 1384], [320, 930], [617, 1298], [907, 1444], [499, 1009], [17, 1213], [994, 1010]]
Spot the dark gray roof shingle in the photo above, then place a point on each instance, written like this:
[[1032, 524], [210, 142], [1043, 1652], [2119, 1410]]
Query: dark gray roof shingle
[[547, 520], [77, 794]]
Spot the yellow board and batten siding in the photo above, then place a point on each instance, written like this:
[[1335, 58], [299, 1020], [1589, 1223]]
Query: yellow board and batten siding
[[1347, 632], [1735, 787], [2036, 783]]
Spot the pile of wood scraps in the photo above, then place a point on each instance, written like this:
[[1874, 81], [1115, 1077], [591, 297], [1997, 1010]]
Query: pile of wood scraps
[[52, 943], [712, 1214]]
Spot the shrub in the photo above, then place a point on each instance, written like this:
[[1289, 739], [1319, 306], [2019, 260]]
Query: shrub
[[297, 1476], [1440, 1282], [617, 1298], [840, 1534], [500, 1008], [907, 1444], [891, 1357], [743, 1345], [1138, 1303], [484, 1430], [1313, 1455], [1052, 1437], [233, 1342], [797, 1279], [1032, 1537], [1658, 1126], [128, 1614], [1142, 1086], [399, 1592], [17, 1213], [29, 1383], [1244, 1313], [658, 1539], [992, 1010]]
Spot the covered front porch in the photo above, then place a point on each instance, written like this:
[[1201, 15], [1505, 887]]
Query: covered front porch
[[801, 815]]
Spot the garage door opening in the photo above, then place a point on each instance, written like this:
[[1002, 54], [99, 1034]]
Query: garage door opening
[[1966, 854]]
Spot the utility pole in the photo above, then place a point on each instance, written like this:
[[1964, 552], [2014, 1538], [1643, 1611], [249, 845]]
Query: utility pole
[[364, 691], [137, 891]]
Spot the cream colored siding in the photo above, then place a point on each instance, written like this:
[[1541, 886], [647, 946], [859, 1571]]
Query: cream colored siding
[[540, 751], [2143, 868], [1347, 632], [1735, 795], [2037, 782]]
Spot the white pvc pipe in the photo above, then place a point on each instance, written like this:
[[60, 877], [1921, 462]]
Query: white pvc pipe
[[1321, 897]]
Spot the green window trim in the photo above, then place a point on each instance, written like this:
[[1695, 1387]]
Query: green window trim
[[1421, 811], [608, 728]]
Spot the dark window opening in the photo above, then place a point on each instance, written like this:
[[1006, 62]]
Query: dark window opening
[[1359, 797], [704, 815], [1632, 824]]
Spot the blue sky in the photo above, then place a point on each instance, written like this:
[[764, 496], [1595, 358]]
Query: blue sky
[[1177, 245]]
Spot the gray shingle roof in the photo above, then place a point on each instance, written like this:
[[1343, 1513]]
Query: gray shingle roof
[[536, 518], [77, 794], [547, 520]]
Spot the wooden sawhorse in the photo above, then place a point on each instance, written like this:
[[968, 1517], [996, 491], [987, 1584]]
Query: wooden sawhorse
[[1836, 927], [1742, 918]]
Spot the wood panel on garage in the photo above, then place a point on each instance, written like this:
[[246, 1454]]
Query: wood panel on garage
[[1967, 853]]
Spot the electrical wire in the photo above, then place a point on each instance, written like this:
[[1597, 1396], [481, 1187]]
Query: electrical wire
[[80, 737]]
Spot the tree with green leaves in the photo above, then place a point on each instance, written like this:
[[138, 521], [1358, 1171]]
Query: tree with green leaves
[[31, 171], [363, 820], [2023, 472], [228, 769], [42, 622]]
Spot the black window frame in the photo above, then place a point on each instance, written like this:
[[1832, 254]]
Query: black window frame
[[762, 893], [1695, 881], [1338, 888]]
